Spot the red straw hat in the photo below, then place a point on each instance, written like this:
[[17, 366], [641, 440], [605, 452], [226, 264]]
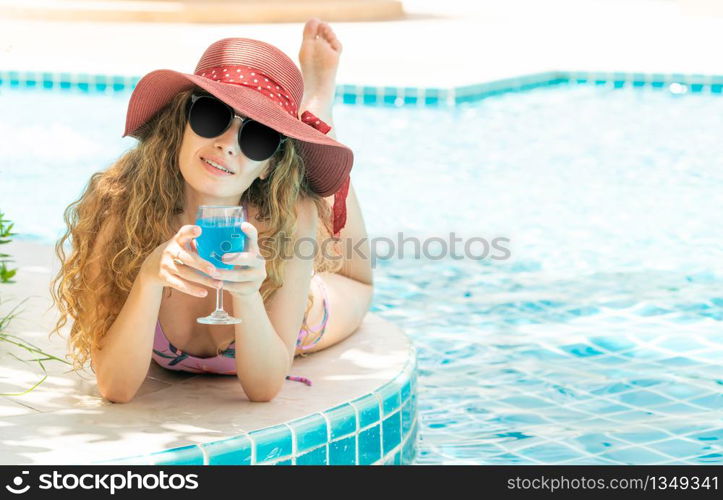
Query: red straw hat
[[261, 82]]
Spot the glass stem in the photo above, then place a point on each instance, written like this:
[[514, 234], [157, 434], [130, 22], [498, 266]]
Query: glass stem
[[219, 299]]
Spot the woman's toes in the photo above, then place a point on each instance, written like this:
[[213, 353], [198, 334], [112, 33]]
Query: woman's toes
[[311, 28], [329, 36]]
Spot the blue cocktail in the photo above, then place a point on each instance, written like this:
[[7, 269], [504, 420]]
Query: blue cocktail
[[220, 234]]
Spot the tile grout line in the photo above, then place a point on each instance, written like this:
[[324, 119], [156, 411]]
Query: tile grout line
[[253, 448], [328, 435], [294, 447], [357, 430]]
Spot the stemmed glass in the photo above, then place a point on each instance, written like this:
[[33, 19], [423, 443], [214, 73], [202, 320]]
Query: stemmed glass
[[220, 234]]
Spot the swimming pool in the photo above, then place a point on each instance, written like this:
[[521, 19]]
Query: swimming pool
[[599, 341]]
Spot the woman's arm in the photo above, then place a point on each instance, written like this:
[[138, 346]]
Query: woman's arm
[[266, 340], [122, 364]]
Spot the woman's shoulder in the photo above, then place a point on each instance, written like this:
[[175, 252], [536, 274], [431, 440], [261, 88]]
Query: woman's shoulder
[[306, 214], [306, 207]]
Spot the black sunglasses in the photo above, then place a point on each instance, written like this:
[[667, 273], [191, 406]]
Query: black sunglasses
[[209, 117]]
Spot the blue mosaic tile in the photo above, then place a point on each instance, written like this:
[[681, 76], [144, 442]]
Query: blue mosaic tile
[[696, 87], [370, 445], [709, 436], [349, 99], [711, 458], [369, 100], [314, 457], [369, 95], [389, 95], [410, 95], [405, 390], [343, 451], [677, 447], [389, 396], [346, 89], [272, 442], [118, 82], [310, 432], [531, 85], [466, 98], [634, 456], [368, 407], [232, 451], [186, 455], [433, 93], [284, 462], [65, 80], [390, 100], [409, 449], [407, 417], [392, 431], [342, 419]]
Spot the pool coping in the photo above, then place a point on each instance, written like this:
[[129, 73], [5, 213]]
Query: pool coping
[[383, 425], [391, 96]]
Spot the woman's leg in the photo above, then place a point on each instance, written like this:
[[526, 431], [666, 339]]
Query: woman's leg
[[350, 290]]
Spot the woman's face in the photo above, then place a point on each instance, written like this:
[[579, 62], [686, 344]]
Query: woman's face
[[208, 185]]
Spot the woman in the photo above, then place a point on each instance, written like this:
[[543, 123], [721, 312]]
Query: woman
[[132, 284]]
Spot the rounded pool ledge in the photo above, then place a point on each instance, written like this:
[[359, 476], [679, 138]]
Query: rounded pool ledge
[[361, 408]]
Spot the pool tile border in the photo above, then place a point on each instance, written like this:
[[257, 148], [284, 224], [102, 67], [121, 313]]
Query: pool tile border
[[386, 96], [379, 428]]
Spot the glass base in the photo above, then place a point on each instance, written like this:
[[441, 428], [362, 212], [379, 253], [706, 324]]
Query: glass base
[[218, 318]]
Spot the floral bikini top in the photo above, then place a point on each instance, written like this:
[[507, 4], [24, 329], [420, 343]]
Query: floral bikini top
[[172, 358]]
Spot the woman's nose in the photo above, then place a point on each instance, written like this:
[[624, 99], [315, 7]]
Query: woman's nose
[[228, 141]]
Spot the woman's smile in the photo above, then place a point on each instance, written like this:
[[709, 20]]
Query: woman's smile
[[214, 168]]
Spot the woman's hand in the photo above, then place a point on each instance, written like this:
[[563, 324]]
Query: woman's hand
[[173, 264], [249, 270]]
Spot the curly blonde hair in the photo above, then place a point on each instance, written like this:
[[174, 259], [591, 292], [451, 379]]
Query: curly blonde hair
[[139, 196]]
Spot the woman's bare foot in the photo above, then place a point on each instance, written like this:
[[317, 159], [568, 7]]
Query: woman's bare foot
[[319, 59]]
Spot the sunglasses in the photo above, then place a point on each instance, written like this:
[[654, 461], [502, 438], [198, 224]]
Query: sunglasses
[[209, 117]]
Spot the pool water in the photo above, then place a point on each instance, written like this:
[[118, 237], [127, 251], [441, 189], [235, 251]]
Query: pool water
[[598, 341]]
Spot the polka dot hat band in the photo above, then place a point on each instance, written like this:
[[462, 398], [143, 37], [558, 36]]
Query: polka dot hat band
[[243, 75]]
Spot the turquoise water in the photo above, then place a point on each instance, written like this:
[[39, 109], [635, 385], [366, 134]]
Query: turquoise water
[[598, 341]]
